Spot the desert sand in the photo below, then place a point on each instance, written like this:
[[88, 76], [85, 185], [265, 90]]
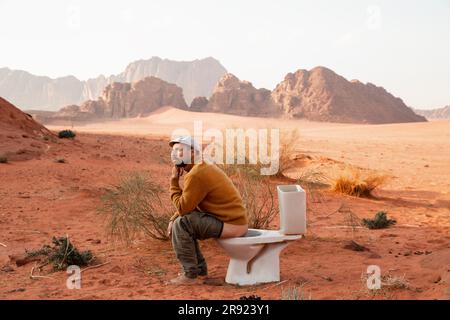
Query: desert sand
[[41, 198]]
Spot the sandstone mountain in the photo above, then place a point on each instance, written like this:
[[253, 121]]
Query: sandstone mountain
[[233, 96], [197, 78], [122, 100], [441, 113], [21, 137], [322, 95]]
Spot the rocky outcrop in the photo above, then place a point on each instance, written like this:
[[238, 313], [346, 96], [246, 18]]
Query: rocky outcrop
[[198, 104], [441, 113], [322, 95], [21, 137], [196, 78], [233, 96], [123, 100]]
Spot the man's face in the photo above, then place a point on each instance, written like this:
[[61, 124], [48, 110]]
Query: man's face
[[181, 155]]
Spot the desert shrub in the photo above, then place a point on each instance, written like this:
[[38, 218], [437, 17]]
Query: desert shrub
[[294, 293], [66, 134], [354, 182], [286, 153], [380, 221], [258, 198], [62, 160], [62, 254], [250, 297], [134, 205], [3, 159], [288, 142]]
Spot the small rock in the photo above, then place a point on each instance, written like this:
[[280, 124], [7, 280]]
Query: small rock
[[374, 256], [353, 245], [436, 279], [7, 268], [16, 290]]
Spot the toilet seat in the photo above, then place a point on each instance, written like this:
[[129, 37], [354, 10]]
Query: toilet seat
[[260, 236]]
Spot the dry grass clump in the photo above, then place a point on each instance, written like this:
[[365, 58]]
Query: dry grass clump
[[295, 293], [286, 155], [133, 206], [288, 142], [357, 183]]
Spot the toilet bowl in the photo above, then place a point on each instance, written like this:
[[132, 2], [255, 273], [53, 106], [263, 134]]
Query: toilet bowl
[[255, 257]]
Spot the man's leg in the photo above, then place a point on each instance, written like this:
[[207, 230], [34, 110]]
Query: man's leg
[[186, 230], [201, 265]]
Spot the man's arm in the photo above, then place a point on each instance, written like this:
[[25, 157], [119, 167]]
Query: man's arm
[[186, 200]]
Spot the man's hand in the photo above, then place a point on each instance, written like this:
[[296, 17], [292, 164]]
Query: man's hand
[[169, 229], [176, 172]]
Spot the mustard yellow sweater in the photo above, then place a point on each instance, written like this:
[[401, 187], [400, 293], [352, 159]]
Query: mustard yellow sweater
[[208, 189]]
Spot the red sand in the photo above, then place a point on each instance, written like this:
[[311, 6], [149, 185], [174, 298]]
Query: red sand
[[41, 198]]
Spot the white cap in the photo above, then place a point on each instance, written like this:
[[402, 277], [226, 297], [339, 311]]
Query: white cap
[[186, 140]]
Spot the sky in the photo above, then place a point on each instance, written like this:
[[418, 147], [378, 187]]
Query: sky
[[403, 46]]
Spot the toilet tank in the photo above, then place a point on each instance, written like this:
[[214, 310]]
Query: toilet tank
[[292, 203]]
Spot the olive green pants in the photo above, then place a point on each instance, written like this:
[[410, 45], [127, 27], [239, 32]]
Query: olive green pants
[[186, 230]]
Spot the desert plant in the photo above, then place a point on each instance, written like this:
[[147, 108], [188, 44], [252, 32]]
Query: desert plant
[[355, 182], [250, 297], [3, 159], [286, 152], [135, 205], [380, 221], [288, 142], [62, 254], [62, 160], [294, 293], [66, 134], [258, 198]]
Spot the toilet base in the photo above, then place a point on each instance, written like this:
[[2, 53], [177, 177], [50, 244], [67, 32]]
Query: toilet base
[[263, 268]]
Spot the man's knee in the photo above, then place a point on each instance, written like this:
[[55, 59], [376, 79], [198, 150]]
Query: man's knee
[[183, 224]]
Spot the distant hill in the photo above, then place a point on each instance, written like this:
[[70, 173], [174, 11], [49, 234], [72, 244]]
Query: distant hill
[[120, 100], [322, 95], [21, 137], [319, 95], [196, 78], [441, 113]]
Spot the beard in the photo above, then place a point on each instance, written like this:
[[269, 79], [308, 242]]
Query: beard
[[181, 165]]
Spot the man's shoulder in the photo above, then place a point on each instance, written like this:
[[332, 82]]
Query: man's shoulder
[[204, 168]]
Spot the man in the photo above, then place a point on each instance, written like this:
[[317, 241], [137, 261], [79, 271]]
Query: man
[[209, 206]]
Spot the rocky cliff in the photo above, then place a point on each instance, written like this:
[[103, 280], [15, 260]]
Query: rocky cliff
[[196, 78]]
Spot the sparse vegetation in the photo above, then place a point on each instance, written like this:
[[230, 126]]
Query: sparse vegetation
[[354, 182], [62, 160], [258, 197], [380, 221], [134, 205], [250, 297], [388, 284], [66, 134], [62, 254], [286, 153], [288, 142], [294, 293], [3, 159]]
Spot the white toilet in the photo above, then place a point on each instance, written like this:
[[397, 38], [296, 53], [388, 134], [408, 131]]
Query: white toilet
[[255, 257]]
